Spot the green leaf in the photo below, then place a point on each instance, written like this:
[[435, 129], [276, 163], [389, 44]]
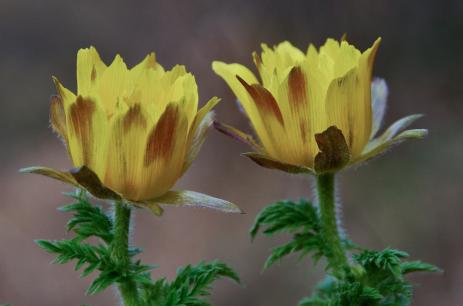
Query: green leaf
[[299, 219], [88, 220], [304, 243], [286, 216], [418, 266], [388, 259], [190, 287]]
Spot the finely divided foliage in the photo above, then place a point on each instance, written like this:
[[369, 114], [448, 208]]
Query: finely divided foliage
[[374, 278], [189, 288]]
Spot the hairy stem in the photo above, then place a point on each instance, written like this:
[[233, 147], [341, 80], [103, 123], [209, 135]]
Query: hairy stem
[[120, 251], [337, 258]]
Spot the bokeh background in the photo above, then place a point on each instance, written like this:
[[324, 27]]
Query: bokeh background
[[410, 199]]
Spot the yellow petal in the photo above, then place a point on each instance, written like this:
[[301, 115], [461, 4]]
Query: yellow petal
[[114, 85], [125, 159], [90, 67], [229, 72], [67, 97], [271, 123], [195, 199], [278, 61], [165, 153], [148, 63], [344, 110], [87, 134], [293, 96]]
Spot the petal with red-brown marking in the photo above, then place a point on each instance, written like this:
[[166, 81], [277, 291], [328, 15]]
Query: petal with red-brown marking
[[264, 100], [297, 90], [161, 140]]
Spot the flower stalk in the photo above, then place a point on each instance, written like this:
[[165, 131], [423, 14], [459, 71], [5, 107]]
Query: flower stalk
[[337, 258], [120, 251]]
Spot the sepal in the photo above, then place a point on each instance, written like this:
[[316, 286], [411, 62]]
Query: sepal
[[82, 177], [63, 176], [334, 152], [189, 198], [90, 181], [270, 163]]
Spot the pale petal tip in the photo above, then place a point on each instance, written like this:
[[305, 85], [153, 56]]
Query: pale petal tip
[[218, 65], [233, 208], [415, 133], [27, 170]]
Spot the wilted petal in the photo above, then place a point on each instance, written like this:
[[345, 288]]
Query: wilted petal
[[334, 152], [90, 181], [270, 163], [196, 199]]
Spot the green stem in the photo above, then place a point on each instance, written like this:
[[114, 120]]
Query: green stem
[[120, 251], [337, 258]]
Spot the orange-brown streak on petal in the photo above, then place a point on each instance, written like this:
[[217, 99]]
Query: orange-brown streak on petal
[[303, 129], [161, 140], [257, 60], [134, 116], [297, 89], [57, 116], [93, 74], [81, 113], [264, 100]]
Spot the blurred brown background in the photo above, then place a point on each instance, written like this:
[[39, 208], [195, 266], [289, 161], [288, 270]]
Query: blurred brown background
[[411, 198]]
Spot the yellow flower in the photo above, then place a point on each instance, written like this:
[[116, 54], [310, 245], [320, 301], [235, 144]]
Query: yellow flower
[[316, 112], [131, 133]]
